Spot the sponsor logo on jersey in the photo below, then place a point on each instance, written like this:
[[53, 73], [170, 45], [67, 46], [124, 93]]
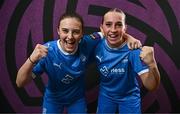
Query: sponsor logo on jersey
[[99, 58], [67, 79], [57, 65], [104, 70], [117, 70]]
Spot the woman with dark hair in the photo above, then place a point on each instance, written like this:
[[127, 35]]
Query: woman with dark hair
[[64, 61]]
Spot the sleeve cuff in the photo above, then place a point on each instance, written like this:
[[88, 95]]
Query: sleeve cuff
[[143, 71]]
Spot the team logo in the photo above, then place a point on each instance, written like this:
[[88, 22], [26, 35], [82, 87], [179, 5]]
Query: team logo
[[83, 58], [125, 60]]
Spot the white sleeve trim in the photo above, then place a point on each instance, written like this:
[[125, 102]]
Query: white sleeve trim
[[33, 75], [143, 71], [100, 33]]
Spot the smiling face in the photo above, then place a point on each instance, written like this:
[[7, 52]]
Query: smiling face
[[113, 28], [70, 33]]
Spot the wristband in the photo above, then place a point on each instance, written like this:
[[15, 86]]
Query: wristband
[[34, 63]]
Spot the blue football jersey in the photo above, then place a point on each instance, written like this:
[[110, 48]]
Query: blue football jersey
[[65, 71], [119, 68]]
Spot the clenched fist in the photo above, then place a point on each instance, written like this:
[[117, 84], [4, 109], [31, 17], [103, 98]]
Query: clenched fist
[[39, 52], [147, 55]]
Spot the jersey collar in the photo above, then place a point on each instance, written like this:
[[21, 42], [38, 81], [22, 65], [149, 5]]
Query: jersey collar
[[64, 52]]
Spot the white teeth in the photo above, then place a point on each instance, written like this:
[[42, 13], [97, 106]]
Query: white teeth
[[68, 42], [112, 36]]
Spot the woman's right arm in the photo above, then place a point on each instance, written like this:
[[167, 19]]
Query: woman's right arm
[[24, 75]]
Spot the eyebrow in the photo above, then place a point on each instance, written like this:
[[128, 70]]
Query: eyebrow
[[111, 22], [71, 29]]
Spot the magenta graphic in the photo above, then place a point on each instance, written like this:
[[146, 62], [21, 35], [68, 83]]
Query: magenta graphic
[[24, 23]]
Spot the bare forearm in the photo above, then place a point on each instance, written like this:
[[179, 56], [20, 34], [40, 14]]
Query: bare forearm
[[154, 73], [151, 79], [24, 74]]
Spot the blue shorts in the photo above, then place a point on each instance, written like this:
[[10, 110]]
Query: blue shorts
[[79, 106], [106, 105]]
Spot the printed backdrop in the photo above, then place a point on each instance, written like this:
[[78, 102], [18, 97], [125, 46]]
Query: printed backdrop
[[24, 23]]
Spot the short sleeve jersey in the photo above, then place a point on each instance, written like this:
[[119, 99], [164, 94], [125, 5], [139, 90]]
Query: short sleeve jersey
[[65, 71], [119, 68]]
